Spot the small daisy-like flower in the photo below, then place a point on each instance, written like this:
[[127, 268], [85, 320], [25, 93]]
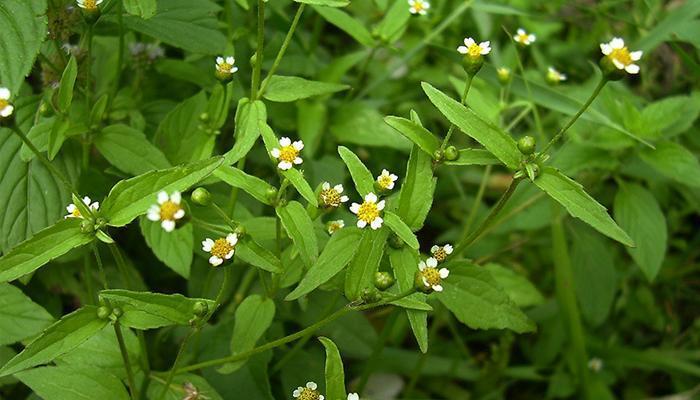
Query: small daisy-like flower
[[89, 5], [6, 108], [220, 249], [225, 65], [74, 212], [332, 196], [620, 56], [353, 396], [595, 364], [288, 153], [368, 212], [335, 226], [474, 50], [431, 276], [419, 7], [386, 180], [554, 76], [307, 393], [440, 253], [524, 38], [168, 210]]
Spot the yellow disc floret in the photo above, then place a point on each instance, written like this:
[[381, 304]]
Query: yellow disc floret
[[330, 197], [288, 153], [221, 248], [308, 394], [168, 210], [368, 212], [432, 276]]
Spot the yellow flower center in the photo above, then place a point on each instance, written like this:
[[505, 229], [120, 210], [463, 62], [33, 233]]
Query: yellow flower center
[[418, 6], [432, 276], [4, 103], [523, 37], [221, 248], [308, 394], [474, 50], [330, 197], [288, 153], [225, 67], [440, 254], [168, 210], [334, 227], [384, 181], [90, 4], [368, 212], [76, 213], [622, 56]]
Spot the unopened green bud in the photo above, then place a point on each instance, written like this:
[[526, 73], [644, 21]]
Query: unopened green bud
[[117, 312], [504, 75], [472, 64], [438, 155], [526, 145], [383, 280], [87, 226], [204, 117], [200, 309], [451, 153], [610, 71], [45, 110], [201, 196], [240, 231], [103, 312], [271, 194], [370, 295]]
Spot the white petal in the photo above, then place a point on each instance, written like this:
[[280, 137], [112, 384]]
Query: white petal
[[86, 201], [434, 248], [326, 186], [207, 244], [390, 185], [338, 188], [275, 153], [95, 206], [298, 160], [311, 385], [469, 42], [353, 396], [431, 262], [229, 255], [377, 223], [632, 68], [462, 50], [444, 273], [531, 38], [344, 199], [98, 2], [617, 43], [298, 145], [425, 282], [361, 223], [321, 397], [437, 288], [636, 55], [179, 214], [71, 207], [163, 197], [605, 48], [296, 393], [5, 93], [232, 239], [355, 208], [215, 261], [284, 165], [448, 248], [7, 111], [154, 213], [176, 197], [219, 60], [285, 141], [381, 204], [618, 64], [421, 265], [234, 69], [521, 31], [371, 197], [230, 60], [168, 225]]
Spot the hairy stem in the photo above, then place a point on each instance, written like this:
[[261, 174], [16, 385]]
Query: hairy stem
[[468, 85], [257, 68], [283, 50], [173, 369], [125, 358]]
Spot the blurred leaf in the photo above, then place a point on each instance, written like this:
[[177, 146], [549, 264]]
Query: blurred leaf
[[180, 135], [674, 162], [73, 383], [327, 3], [253, 317], [594, 275], [24, 30], [670, 116], [361, 123], [364, 182], [335, 375], [129, 150], [300, 228], [252, 185], [360, 272], [674, 21], [141, 8], [422, 137], [416, 195], [401, 230], [394, 22], [518, 287], [312, 117], [177, 391], [20, 317], [174, 248], [346, 23], [292, 88]]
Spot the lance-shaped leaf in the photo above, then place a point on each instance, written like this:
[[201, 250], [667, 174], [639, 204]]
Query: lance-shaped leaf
[[73, 382], [128, 149], [291, 88], [20, 317], [300, 228], [301, 185], [474, 157], [401, 230], [253, 316], [364, 182], [404, 263], [252, 185], [64, 97], [414, 132], [250, 117], [580, 204], [254, 254], [417, 189], [361, 271], [346, 23], [335, 375], [326, 3]]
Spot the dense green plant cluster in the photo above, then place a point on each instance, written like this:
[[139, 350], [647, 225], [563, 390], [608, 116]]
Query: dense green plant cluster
[[344, 200]]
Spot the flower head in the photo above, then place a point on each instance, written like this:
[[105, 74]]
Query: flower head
[[620, 56], [431, 276], [368, 212], [74, 212], [6, 108], [524, 38], [226, 65], [335, 226], [332, 196], [168, 210], [220, 249], [353, 396], [554, 76], [307, 393], [474, 50], [440, 253], [288, 153], [89, 5], [386, 180], [595, 364], [192, 392], [419, 7], [503, 75]]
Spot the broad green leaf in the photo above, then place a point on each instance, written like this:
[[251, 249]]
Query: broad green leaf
[[301, 185], [61, 337], [39, 136], [498, 142], [174, 249], [73, 383], [360, 272], [253, 316], [300, 228], [64, 96], [141, 8], [670, 116], [312, 117], [640, 214], [401, 230], [346, 23], [416, 196], [404, 263], [478, 301], [580, 204], [132, 197], [41, 248], [326, 3], [675, 162], [339, 250], [101, 352], [292, 88], [180, 135], [335, 375], [516, 286], [185, 71], [683, 15], [176, 391], [254, 254], [57, 136], [129, 150], [361, 123], [249, 118], [20, 317], [23, 32], [414, 132], [364, 182], [146, 310], [394, 23], [250, 184], [594, 275], [474, 157]]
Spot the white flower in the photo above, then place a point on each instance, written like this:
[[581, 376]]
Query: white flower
[[524, 38], [555, 76], [368, 212], [89, 5], [332, 196], [288, 153], [432, 277], [226, 65], [353, 396], [595, 364], [168, 210], [620, 56], [386, 180], [335, 226], [307, 393], [220, 249], [440, 253], [6, 108], [74, 212], [418, 7], [473, 49]]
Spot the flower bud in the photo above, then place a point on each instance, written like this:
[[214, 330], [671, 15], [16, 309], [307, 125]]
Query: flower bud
[[117, 312], [201, 196], [383, 280], [451, 153], [87, 226], [419, 285], [240, 231], [438, 155], [472, 64], [370, 295], [610, 71], [204, 117], [504, 75], [271, 194], [91, 15], [103, 312], [200, 309], [526, 145]]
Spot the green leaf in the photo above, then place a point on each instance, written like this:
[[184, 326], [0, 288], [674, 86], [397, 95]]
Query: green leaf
[[301, 185], [101, 352], [326, 3], [498, 142], [254, 254], [666, 29], [64, 97], [346, 23], [394, 23], [339, 250], [131, 197], [335, 375], [640, 214], [404, 263], [179, 135], [73, 383], [580, 204], [43, 247], [364, 182], [478, 301], [61, 337], [284, 89], [474, 157], [249, 119], [176, 391], [146, 310], [312, 117], [219, 105], [416, 196], [360, 273], [39, 136], [57, 136], [594, 275], [361, 123], [414, 132], [20, 317], [252, 185], [141, 8], [24, 30], [401, 230], [253, 317], [300, 228], [674, 162], [518, 288], [174, 249], [129, 150]]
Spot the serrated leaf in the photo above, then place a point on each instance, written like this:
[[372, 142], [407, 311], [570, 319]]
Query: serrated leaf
[[360, 272], [474, 157], [73, 383], [346, 23], [141, 8], [334, 373], [252, 185], [24, 30], [301, 185], [300, 228], [417, 189], [129, 150], [253, 317], [414, 132], [364, 182], [674, 162], [292, 88], [20, 317], [404, 263], [174, 249], [401, 230], [179, 135]]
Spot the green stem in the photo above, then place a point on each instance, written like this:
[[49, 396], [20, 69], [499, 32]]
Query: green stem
[[125, 358], [257, 68], [145, 365], [224, 288], [518, 117], [477, 201], [224, 216], [45, 161], [467, 86], [88, 278], [172, 371], [100, 267], [576, 116], [120, 54], [535, 112], [121, 264]]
